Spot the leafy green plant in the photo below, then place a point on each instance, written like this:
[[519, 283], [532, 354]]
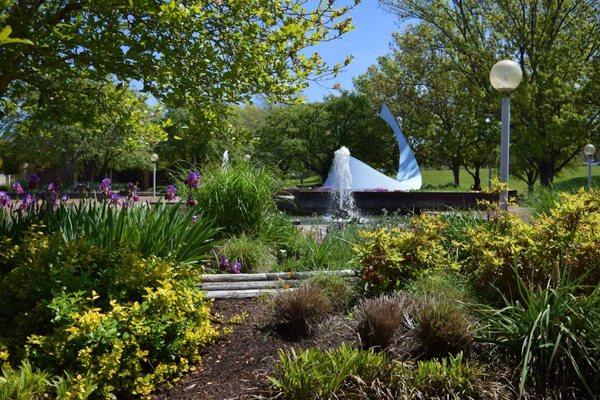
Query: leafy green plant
[[23, 383], [390, 259], [315, 374], [296, 312], [161, 230], [239, 198], [336, 288], [542, 200], [553, 332], [253, 254]]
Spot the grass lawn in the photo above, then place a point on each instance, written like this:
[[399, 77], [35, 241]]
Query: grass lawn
[[442, 180]]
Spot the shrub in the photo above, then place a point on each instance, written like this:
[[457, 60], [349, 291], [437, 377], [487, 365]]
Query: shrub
[[440, 329], [390, 259], [336, 288], [127, 322], [378, 320], [315, 374], [554, 334], [254, 255], [296, 312], [443, 286], [239, 198]]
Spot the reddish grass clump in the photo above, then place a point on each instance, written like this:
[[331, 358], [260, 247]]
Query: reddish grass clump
[[296, 313]]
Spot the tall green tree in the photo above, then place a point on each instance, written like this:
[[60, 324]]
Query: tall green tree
[[556, 43]]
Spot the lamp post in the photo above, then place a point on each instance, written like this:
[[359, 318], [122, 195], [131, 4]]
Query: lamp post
[[154, 159], [505, 77], [589, 150], [25, 166]]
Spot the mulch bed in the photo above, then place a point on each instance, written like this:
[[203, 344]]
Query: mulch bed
[[236, 366]]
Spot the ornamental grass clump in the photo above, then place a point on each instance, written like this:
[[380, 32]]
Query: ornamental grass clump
[[296, 313], [379, 320]]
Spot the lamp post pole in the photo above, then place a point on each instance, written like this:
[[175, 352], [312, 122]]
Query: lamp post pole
[[589, 150], [505, 77], [154, 159], [505, 151]]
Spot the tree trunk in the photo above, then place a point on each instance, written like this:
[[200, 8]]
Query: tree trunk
[[546, 173], [477, 179], [456, 173]]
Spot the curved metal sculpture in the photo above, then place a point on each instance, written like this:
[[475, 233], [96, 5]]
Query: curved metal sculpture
[[409, 174]]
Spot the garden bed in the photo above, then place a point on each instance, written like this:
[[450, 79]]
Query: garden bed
[[236, 366]]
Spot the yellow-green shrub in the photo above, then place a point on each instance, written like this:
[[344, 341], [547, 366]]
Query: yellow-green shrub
[[390, 258], [567, 239]]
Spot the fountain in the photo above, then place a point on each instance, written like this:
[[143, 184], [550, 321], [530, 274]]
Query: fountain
[[225, 159], [342, 197]]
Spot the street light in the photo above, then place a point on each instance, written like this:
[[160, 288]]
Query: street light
[[505, 77], [25, 166], [589, 150], [154, 159]]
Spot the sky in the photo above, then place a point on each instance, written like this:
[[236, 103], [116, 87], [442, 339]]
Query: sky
[[370, 39]]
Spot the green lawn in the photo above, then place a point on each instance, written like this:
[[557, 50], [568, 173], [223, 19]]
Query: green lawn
[[442, 180]]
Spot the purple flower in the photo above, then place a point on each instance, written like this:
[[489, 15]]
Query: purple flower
[[224, 263], [236, 268], [171, 192], [195, 218], [135, 198], [193, 180], [105, 185], [4, 199], [18, 189], [27, 201], [34, 181], [114, 197], [191, 201], [52, 187], [64, 197]]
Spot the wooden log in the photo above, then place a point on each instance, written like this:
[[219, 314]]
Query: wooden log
[[272, 276], [240, 294], [211, 286]]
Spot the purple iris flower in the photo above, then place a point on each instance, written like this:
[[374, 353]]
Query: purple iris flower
[[18, 189], [105, 185], [193, 180], [191, 201], [4, 199], [171, 192], [224, 263], [114, 197], [27, 201], [52, 187], [135, 198], [236, 268], [34, 181], [64, 197]]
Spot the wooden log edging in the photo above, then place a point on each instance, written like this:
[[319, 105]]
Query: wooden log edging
[[241, 286]]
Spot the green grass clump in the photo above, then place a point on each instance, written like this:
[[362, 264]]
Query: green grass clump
[[337, 289], [253, 254], [239, 198]]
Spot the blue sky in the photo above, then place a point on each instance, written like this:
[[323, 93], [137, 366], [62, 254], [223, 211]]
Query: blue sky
[[370, 39]]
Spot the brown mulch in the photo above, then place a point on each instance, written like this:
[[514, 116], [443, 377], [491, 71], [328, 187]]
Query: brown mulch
[[236, 366]]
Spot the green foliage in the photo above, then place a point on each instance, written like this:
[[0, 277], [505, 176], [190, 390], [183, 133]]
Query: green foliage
[[126, 322], [453, 378], [297, 312], [24, 383], [253, 254], [553, 332], [389, 259], [315, 374], [351, 373], [442, 285], [564, 240], [239, 198], [336, 288], [160, 230], [542, 201]]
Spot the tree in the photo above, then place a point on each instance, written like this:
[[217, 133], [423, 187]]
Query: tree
[[87, 127], [442, 112], [556, 43], [204, 53], [302, 138]]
